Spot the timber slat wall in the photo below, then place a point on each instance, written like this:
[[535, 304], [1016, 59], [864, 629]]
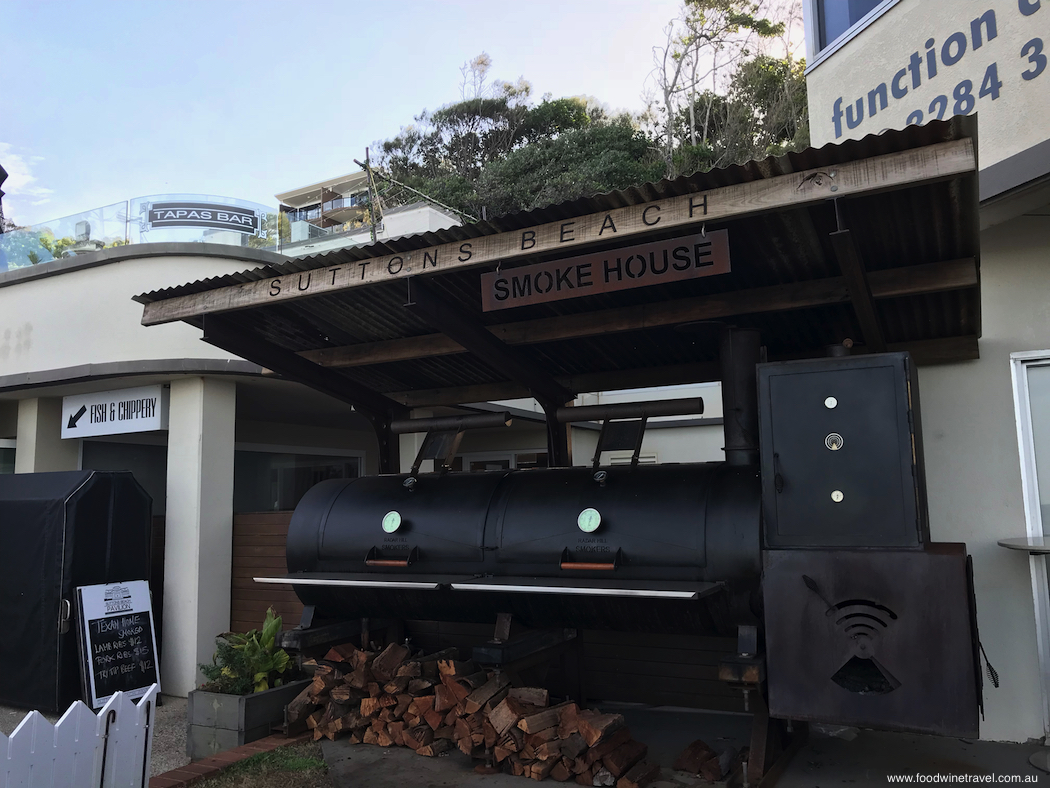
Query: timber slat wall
[[671, 670], [258, 549]]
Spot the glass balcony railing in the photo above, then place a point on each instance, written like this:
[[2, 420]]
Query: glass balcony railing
[[185, 218]]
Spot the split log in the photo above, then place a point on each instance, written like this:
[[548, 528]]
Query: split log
[[568, 723], [595, 754], [370, 707], [458, 690], [444, 698], [419, 686], [385, 665], [396, 731], [561, 771], [434, 718], [477, 699], [360, 678], [456, 667], [445, 732], [436, 747], [341, 653], [373, 689], [640, 775], [573, 746], [490, 735], [693, 757], [596, 727], [361, 658], [620, 760], [344, 693], [534, 695], [301, 706], [507, 714], [314, 718], [474, 680], [541, 769], [585, 778], [419, 736], [409, 670], [369, 736], [397, 685], [543, 719]]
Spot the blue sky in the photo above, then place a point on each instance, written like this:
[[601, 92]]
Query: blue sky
[[103, 101]]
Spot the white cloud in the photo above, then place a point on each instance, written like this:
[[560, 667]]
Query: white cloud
[[21, 183]]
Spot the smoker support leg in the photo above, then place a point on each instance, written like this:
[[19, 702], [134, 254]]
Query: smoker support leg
[[772, 747]]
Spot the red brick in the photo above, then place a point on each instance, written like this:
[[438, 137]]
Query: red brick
[[162, 781], [202, 769], [187, 778]]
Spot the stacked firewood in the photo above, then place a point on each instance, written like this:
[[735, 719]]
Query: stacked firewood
[[436, 703]]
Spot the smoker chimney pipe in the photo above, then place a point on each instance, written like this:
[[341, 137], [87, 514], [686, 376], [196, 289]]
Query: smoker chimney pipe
[[739, 351]]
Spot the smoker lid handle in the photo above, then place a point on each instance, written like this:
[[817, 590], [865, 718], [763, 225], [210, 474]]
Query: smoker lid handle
[[385, 562]]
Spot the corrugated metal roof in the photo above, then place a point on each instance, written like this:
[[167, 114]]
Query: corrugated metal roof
[[932, 221], [811, 158]]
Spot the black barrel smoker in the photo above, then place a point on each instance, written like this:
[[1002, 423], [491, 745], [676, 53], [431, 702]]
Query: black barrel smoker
[[811, 540]]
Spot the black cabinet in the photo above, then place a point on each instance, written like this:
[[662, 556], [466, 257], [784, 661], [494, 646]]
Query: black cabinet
[[842, 453]]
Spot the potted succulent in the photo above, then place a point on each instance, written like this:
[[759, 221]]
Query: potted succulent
[[246, 692]]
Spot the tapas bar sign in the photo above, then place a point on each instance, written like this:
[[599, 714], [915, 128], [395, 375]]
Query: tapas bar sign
[[689, 257]]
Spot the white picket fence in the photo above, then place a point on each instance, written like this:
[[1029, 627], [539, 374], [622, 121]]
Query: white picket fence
[[82, 750]]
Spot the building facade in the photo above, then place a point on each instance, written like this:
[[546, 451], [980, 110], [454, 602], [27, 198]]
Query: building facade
[[888, 65]]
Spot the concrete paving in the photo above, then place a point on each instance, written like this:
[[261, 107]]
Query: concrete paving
[[169, 734], [864, 758]]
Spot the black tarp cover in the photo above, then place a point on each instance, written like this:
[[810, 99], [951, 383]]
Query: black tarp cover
[[59, 531]]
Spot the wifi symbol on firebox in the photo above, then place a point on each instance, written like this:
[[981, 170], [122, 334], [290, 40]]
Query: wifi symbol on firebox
[[863, 622]]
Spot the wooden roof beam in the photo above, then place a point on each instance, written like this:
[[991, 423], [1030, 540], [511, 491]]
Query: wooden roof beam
[[472, 335], [891, 283], [859, 289], [886, 172], [924, 352], [380, 410]]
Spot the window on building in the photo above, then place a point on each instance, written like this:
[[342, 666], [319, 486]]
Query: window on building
[[7, 456], [275, 482], [835, 17]]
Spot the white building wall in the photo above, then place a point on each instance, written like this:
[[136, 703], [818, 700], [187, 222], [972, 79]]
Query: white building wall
[[86, 316], [973, 468], [1013, 122]]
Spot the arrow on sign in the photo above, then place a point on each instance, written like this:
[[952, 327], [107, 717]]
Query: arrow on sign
[[76, 417]]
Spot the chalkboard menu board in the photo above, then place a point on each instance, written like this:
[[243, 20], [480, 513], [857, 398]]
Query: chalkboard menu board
[[117, 645]]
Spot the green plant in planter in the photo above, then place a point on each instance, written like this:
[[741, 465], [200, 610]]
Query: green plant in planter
[[246, 663]]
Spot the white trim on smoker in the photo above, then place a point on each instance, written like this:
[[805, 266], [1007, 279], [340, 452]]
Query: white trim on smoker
[[1019, 364], [640, 592], [319, 581]]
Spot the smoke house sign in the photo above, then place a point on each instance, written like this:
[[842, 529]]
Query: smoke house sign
[[689, 257], [206, 215]]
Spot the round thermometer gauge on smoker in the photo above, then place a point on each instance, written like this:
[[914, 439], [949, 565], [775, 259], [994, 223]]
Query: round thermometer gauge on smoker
[[589, 520], [391, 522]]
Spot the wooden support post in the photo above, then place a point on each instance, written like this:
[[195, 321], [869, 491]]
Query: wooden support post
[[859, 289]]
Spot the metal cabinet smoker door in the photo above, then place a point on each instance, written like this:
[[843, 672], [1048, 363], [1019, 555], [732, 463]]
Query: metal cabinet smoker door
[[837, 454]]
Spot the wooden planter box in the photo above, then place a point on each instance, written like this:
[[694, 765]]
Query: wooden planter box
[[218, 722]]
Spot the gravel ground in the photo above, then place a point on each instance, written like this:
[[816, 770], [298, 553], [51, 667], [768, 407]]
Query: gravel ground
[[169, 735]]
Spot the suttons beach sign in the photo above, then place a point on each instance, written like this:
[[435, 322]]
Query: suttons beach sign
[[703, 254], [558, 239]]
